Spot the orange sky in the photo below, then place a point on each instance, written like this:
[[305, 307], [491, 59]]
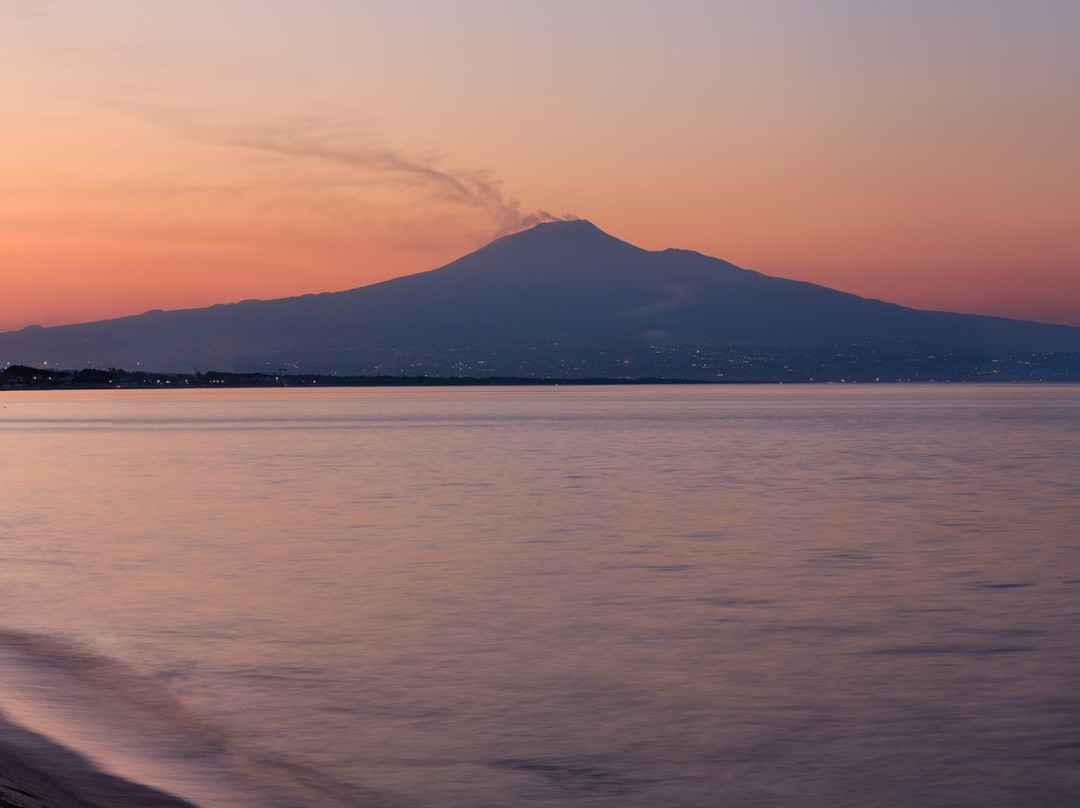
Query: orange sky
[[160, 155]]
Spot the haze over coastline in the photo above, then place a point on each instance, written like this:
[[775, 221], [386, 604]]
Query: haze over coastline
[[173, 157]]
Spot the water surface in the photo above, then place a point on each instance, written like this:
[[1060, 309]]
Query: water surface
[[678, 596]]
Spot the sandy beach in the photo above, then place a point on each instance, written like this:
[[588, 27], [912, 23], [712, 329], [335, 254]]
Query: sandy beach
[[36, 773]]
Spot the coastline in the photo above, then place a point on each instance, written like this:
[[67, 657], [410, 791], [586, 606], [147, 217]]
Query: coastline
[[35, 772], [1052, 369], [18, 377]]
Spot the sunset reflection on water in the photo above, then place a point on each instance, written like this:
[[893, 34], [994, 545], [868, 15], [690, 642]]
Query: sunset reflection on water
[[587, 596]]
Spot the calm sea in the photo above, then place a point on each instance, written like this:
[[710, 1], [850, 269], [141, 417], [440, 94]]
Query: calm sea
[[648, 596]]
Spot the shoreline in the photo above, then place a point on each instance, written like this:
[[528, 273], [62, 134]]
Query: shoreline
[[36, 772], [19, 377], [980, 369]]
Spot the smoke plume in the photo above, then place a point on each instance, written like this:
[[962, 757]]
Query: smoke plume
[[323, 140]]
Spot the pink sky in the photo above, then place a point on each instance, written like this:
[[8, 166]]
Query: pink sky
[[157, 155]]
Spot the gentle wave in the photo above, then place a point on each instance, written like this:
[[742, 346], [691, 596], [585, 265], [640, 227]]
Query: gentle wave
[[129, 725]]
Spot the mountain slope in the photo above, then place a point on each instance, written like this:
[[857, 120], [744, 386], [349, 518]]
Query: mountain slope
[[560, 299]]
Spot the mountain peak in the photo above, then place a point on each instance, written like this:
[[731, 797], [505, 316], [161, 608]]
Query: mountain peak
[[563, 228], [578, 236], [567, 225]]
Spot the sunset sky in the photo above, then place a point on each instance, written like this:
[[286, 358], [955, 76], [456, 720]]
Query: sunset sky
[[164, 155]]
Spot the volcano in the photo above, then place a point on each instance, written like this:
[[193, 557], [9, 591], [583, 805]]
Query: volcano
[[565, 299]]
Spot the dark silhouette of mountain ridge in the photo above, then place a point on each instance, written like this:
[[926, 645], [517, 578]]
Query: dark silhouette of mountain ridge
[[560, 299]]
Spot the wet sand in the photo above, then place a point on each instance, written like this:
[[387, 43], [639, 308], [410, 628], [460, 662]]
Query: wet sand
[[37, 773]]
